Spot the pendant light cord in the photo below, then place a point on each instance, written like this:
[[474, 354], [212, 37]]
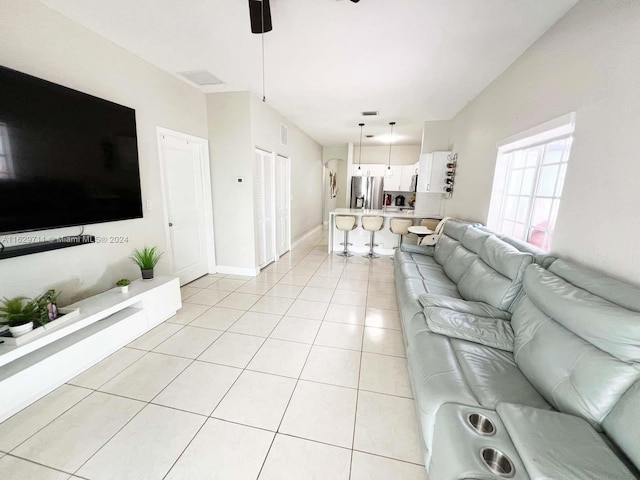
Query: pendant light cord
[[390, 142], [264, 96], [360, 150]]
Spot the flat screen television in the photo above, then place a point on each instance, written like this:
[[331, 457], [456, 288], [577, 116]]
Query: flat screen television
[[66, 158]]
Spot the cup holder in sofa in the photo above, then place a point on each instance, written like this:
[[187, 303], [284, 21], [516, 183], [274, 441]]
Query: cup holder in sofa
[[481, 424], [497, 462]]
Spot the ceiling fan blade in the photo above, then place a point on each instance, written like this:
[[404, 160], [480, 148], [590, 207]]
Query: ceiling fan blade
[[256, 10]]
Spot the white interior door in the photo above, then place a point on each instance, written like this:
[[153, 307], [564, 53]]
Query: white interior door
[[283, 207], [264, 198], [187, 194]]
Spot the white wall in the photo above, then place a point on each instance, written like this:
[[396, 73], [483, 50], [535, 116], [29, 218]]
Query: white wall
[[336, 158], [435, 136], [400, 154], [41, 42], [306, 164], [231, 155], [588, 62]]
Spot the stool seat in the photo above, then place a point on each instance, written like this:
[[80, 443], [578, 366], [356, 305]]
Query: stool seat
[[346, 223], [372, 224], [400, 226]]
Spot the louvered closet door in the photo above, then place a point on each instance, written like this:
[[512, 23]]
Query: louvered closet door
[[264, 207]]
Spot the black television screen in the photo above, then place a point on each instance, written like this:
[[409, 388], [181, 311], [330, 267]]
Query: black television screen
[[66, 158]]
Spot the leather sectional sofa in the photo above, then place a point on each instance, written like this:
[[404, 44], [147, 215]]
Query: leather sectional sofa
[[516, 354]]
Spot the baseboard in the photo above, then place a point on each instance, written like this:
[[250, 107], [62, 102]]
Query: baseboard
[[308, 234], [246, 271]]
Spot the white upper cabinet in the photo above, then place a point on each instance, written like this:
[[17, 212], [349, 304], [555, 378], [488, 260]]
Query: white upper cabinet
[[408, 171], [392, 182], [432, 172]]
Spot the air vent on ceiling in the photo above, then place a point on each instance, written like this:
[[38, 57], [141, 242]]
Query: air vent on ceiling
[[284, 135], [370, 113], [201, 77], [369, 136]]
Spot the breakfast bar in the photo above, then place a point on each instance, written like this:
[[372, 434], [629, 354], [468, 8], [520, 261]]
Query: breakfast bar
[[385, 239]]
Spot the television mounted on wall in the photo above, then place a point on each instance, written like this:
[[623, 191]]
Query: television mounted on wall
[[66, 158]]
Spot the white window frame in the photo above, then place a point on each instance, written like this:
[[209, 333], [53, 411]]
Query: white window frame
[[533, 141]]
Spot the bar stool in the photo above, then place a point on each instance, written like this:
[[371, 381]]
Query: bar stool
[[346, 223], [400, 226], [373, 225], [430, 223]]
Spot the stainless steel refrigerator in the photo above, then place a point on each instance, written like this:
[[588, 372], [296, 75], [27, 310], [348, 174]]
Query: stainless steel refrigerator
[[367, 192]]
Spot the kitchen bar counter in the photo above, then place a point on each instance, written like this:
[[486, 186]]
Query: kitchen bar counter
[[359, 237]]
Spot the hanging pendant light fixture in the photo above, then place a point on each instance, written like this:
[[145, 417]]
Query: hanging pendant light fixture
[[389, 172], [360, 150]]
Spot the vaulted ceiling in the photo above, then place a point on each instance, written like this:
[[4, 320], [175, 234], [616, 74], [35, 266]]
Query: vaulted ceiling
[[329, 60]]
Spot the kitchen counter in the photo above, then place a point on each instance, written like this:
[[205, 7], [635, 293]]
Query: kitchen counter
[[359, 237]]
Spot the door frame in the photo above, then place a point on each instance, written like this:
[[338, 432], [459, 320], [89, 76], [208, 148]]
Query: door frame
[[203, 144], [288, 239], [274, 236]]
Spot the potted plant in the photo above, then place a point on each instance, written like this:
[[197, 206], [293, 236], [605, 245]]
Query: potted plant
[[123, 283], [146, 259], [19, 314], [48, 307]]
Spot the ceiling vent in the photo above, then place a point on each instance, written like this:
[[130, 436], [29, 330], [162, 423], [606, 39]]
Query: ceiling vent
[[370, 113], [201, 77], [369, 136]]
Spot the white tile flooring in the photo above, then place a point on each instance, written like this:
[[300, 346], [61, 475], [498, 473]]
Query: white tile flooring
[[298, 373]]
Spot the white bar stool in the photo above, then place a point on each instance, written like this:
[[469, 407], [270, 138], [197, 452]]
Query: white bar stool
[[400, 226], [346, 223], [373, 225], [430, 223]]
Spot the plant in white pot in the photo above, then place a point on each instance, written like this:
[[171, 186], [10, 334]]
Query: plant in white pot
[[19, 314], [123, 284], [146, 259]]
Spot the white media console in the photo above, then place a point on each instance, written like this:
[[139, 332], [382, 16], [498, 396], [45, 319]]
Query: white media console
[[106, 322]]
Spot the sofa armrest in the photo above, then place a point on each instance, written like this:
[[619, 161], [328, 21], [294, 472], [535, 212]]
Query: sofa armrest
[[463, 306], [421, 249], [559, 446], [491, 332]]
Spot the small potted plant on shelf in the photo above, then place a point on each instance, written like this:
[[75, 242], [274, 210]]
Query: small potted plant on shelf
[[19, 314], [146, 259], [123, 284], [48, 307]]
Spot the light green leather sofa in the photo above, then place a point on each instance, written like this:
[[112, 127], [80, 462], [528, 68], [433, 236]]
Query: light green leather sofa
[[545, 350]]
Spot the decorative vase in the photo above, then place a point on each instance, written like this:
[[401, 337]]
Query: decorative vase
[[147, 273], [21, 329], [124, 288]]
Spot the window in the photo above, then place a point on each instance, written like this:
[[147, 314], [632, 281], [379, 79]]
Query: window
[[528, 182]]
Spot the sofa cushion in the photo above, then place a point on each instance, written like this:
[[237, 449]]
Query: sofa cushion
[[493, 376], [473, 239], [623, 424], [436, 378], [615, 291], [496, 276], [419, 249], [491, 332], [443, 249], [559, 446], [569, 345], [465, 306], [458, 262]]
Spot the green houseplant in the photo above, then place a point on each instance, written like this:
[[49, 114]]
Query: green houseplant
[[146, 259], [123, 284], [19, 314], [48, 307]]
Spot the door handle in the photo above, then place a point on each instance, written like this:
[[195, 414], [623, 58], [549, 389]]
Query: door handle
[[170, 224]]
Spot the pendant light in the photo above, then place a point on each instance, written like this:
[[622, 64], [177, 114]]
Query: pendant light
[[389, 172], [361, 125]]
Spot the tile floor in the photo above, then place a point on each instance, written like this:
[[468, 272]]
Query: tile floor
[[299, 373]]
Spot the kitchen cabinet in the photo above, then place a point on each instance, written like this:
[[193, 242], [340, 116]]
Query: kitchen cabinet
[[369, 169], [392, 182], [432, 172], [407, 172]]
